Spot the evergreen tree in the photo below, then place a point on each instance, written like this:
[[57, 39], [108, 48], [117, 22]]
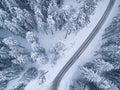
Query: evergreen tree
[[91, 76], [3, 16], [16, 51], [14, 28], [8, 5], [24, 16], [5, 58], [51, 24], [39, 19], [38, 53], [100, 66]]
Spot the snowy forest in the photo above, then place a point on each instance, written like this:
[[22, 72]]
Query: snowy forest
[[103, 72], [23, 56]]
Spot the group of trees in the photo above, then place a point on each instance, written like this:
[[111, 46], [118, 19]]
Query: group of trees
[[38, 53], [21, 16], [14, 58], [15, 19], [18, 52], [74, 23], [103, 73]]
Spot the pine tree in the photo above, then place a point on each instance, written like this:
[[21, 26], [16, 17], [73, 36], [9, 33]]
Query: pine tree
[[14, 28], [82, 19], [100, 66], [77, 85], [31, 37], [5, 58], [8, 5], [59, 3], [51, 24], [3, 16], [91, 76], [54, 55], [113, 75], [39, 19], [89, 6], [16, 51], [69, 27], [24, 16], [30, 74], [53, 9], [38, 53]]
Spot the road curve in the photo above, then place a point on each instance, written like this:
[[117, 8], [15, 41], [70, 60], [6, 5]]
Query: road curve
[[82, 48]]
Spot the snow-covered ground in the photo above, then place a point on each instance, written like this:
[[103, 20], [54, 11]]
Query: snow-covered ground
[[89, 54], [72, 43]]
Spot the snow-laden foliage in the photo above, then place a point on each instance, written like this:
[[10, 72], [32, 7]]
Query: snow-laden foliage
[[5, 58], [25, 18], [77, 85], [47, 16], [100, 66], [103, 73], [90, 80], [16, 51], [30, 74], [41, 77], [38, 53]]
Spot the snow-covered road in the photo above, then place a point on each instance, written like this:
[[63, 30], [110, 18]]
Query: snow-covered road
[[72, 42], [88, 54]]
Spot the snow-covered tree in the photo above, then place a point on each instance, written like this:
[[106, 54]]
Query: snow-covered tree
[[39, 19], [100, 66], [3, 16], [112, 31], [30, 74], [38, 53], [53, 9], [89, 74], [103, 73], [54, 55], [42, 78], [92, 76], [81, 20], [44, 8], [2, 77], [8, 4], [59, 46], [21, 86], [31, 37], [14, 28], [60, 2], [16, 51], [77, 85], [5, 58], [24, 16], [69, 27], [61, 16], [113, 75], [18, 24], [111, 54], [89, 6], [34, 3], [51, 24]]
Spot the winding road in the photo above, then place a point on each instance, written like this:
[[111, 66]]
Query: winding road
[[82, 48]]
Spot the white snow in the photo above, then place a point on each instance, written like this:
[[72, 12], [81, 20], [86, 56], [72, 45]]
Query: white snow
[[72, 43], [89, 53]]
